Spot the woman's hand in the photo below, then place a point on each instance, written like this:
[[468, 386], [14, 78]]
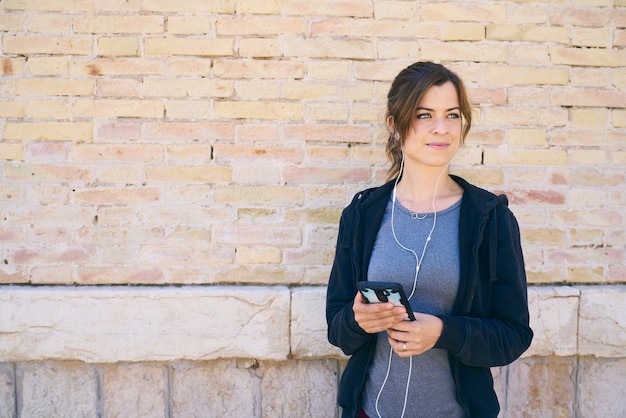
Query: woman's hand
[[412, 338], [376, 317]]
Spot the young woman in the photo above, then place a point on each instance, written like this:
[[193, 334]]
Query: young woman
[[454, 247]]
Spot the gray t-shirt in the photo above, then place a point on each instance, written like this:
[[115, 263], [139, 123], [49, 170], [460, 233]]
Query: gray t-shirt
[[432, 391]]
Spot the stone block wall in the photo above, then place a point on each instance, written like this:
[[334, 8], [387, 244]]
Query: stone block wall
[[172, 174]]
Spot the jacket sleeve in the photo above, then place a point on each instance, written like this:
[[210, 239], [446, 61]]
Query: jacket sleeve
[[343, 330], [496, 330]]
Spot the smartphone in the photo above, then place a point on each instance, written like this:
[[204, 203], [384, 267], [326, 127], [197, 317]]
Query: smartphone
[[378, 292]]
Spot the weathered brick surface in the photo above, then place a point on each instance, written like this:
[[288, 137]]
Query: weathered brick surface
[[150, 142]]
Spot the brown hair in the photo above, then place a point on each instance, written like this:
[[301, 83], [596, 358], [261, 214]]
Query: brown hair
[[408, 88]]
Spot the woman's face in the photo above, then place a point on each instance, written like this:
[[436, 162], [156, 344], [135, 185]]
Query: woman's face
[[435, 134]]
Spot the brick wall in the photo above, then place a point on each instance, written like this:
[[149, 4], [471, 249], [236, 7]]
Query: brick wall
[[172, 175]]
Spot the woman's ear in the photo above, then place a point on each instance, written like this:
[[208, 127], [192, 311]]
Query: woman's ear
[[390, 124]]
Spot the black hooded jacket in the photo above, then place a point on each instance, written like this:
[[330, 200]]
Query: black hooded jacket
[[488, 326]]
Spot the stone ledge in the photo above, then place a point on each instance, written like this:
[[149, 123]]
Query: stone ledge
[[108, 325], [116, 324], [560, 330]]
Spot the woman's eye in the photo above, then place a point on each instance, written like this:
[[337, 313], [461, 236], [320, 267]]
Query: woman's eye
[[454, 116], [423, 116]]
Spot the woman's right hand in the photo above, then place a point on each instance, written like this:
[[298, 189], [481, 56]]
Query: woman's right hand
[[376, 317]]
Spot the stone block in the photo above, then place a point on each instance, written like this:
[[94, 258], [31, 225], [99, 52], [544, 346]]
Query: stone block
[[540, 387], [144, 324], [601, 389], [215, 389], [57, 389], [137, 389], [7, 391], [602, 321], [553, 318], [308, 324], [314, 394]]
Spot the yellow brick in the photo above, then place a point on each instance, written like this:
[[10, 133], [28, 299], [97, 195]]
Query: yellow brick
[[229, 68], [255, 47], [529, 54], [258, 7], [258, 255], [259, 110], [300, 90], [188, 154], [118, 24], [72, 6], [144, 153], [464, 32], [591, 37], [619, 38], [384, 29], [592, 57], [46, 173], [328, 70], [48, 65], [26, 45], [187, 109], [47, 23], [618, 118], [188, 88], [327, 111], [189, 6], [530, 157], [464, 51], [354, 8], [584, 137], [588, 98], [118, 87], [525, 13], [526, 75], [11, 152], [588, 157], [116, 66], [189, 67], [12, 22], [255, 25], [528, 33], [11, 109], [330, 48], [587, 236], [463, 12], [189, 46], [11, 66], [618, 78], [526, 137], [118, 46], [259, 195], [189, 24], [48, 131], [590, 118], [589, 77], [108, 108], [47, 109], [258, 89], [396, 49], [124, 175], [545, 236], [366, 112], [200, 174], [47, 86], [526, 117], [395, 9]]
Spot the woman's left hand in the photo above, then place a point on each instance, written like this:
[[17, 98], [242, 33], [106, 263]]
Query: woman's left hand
[[412, 338]]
